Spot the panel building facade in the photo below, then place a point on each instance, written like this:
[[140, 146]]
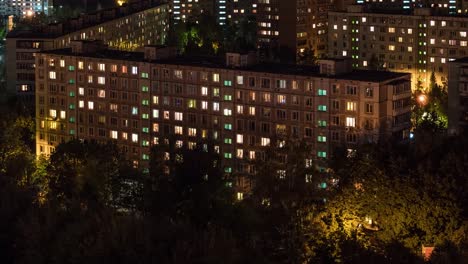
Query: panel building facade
[[143, 99], [419, 43], [458, 96], [128, 27]]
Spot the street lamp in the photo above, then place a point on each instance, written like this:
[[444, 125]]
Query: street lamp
[[422, 99]]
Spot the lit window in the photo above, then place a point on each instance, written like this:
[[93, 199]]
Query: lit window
[[178, 130], [351, 106], [53, 113], [102, 80], [265, 141], [63, 115], [204, 91], [322, 154], [322, 92], [101, 93], [204, 105], [322, 139], [371, 28], [52, 75], [240, 109], [240, 153], [90, 105], [114, 134], [252, 110], [240, 138], [240, 80], [134, 110], [350, 121], [322, 108], [191, 103], [178, 116], [101, 67], [155, 113], [391, 30], [81, 91], [215, 106], [215, 77], [80, 65], [227, 112], [134, 70], [135, 138], [192, 132]]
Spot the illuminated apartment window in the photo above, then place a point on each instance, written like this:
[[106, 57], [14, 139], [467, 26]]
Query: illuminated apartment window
[[371, 28], [322, 123], [114, 134], [281, 99], [178, 116], [265, 141], [227, 112], [215, 106], [166, 115], [101, 67], [227, 83], [81, 104], [191, 103], [102, 80], [90, 79], [252, 110], [113, 68], [322, 108], [322, 154], [81, 91], [63, 115], [90, 105], [215, 77], [155, 127], [204, 91], [204, 105], [155, 113], [53, 113], [178, 130], [240, 153], [124, 69], [227, 97], [240, 109], [322, 92], [391, 47], [350, 121], [52, 75], [322, 139], [391, 30], [351, 106], [134, 70], [155, 100], [240, 80], [215, 92], [101, 93], [192, 132], [80, 65], [228, 126], [135, 138]]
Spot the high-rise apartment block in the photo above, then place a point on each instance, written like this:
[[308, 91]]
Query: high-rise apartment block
[[225, 11], [127, 27], [24, 8], [143, 99], [287, 28], [419, 43], [458, 96]]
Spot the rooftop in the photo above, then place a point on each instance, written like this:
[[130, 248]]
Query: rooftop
[[219, 63]]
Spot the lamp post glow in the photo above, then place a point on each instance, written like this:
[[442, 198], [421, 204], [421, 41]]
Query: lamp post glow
[[422, 99]]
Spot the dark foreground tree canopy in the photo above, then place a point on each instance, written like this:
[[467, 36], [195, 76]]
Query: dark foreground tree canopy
[[87, 204]]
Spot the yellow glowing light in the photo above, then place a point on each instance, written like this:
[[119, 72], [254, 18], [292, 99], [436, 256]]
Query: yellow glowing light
[[422, 99], [121, 2]]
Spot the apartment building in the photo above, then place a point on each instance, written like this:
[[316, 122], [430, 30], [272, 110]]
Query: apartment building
[[144, 99], [419, 44], [287, 28], [24, 8], [128, 27], [458, 96]]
